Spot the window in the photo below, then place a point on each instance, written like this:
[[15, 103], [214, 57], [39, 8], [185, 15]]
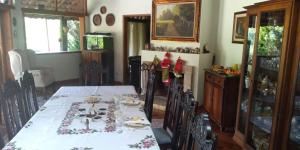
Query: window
[[46, 33]]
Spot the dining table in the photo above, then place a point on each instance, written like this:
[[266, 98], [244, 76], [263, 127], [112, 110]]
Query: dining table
[[88, 118]]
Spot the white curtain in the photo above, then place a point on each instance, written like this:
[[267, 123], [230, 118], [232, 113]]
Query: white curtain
[[136, 38]]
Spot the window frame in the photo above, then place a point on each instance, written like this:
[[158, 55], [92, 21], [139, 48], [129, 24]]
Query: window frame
[[81, 18]]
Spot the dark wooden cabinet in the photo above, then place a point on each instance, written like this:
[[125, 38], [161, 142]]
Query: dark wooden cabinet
[[220, 98]]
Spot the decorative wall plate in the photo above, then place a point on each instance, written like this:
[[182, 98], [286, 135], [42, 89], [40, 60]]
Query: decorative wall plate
[[97, 20], [103, 10], [110, 19]]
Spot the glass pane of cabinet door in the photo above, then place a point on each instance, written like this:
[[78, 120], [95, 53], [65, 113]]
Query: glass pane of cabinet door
[[265, 78], [294, 136], [246, 72]]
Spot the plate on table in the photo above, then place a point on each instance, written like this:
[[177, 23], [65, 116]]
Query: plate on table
[[136, 122], [131, 102]]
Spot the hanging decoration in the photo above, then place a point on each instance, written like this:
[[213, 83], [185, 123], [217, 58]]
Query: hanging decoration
[[165, 66], [178, 68]]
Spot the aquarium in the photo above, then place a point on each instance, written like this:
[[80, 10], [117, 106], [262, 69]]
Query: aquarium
[[97, 41]]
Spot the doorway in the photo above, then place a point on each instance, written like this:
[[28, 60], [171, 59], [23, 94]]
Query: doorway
[[136, 37]]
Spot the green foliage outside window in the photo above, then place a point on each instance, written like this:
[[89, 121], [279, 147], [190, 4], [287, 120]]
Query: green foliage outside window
[[73, 35]]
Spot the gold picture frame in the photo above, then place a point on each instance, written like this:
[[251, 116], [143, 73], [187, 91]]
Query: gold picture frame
[[176, 20], [238, 31]]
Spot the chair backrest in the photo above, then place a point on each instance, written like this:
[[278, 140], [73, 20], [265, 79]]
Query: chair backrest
[[18, 62], [93, 73], [144, 76], [135, 72], [149, 97], [185, 114], [2, 143], [171, 119], [201, 134], [13, 109], [29, 95], [171, 114], [31, 55]]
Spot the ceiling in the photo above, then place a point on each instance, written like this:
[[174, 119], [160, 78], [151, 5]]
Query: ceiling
[[92, 5]]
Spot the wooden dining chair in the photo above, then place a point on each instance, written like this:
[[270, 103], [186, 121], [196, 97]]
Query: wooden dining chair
[[149, 97], [93, 73], [186, 112], [135, 72], [13, 108], [2, 143], [201, 135], [29, 95], [165, 136]]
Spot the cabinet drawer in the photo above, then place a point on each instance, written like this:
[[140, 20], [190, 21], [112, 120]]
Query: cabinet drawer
[[214, 79], [219, 81], [209, 77]]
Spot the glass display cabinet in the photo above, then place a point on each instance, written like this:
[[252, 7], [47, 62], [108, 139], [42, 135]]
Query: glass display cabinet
[[245, 79], [268, 48], [294, 130], [266, 77]]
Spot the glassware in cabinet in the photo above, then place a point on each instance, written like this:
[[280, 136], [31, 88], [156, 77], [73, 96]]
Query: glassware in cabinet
[[267, 65], [294, 135]]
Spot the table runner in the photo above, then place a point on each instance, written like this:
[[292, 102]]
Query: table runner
[[56, 126]]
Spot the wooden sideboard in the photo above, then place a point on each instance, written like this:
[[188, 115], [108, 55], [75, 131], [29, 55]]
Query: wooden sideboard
[[220, 98]]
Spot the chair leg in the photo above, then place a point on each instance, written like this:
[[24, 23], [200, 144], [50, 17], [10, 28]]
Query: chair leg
[[45, 93], [54, 87]]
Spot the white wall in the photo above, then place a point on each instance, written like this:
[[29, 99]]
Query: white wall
[[125, 7], [229, 53], [118, 8], [18, 30], [65, 65]]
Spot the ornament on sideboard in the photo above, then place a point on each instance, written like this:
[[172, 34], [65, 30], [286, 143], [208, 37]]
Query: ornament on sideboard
[[156, 60], [177, 49], [205, 50]]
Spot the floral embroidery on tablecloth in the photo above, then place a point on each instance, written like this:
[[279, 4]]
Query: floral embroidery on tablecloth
[[11, 146], [81, 148], [110, 123], [111, 119], [145, 143]]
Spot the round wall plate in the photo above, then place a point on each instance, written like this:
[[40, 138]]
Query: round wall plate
[[97, 20], [110, 19], [103, 10]]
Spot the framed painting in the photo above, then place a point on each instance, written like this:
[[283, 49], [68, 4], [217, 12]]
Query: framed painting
[[176, 20], [238, 32]]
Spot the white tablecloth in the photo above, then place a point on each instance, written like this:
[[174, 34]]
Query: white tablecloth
[[55, 127]]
